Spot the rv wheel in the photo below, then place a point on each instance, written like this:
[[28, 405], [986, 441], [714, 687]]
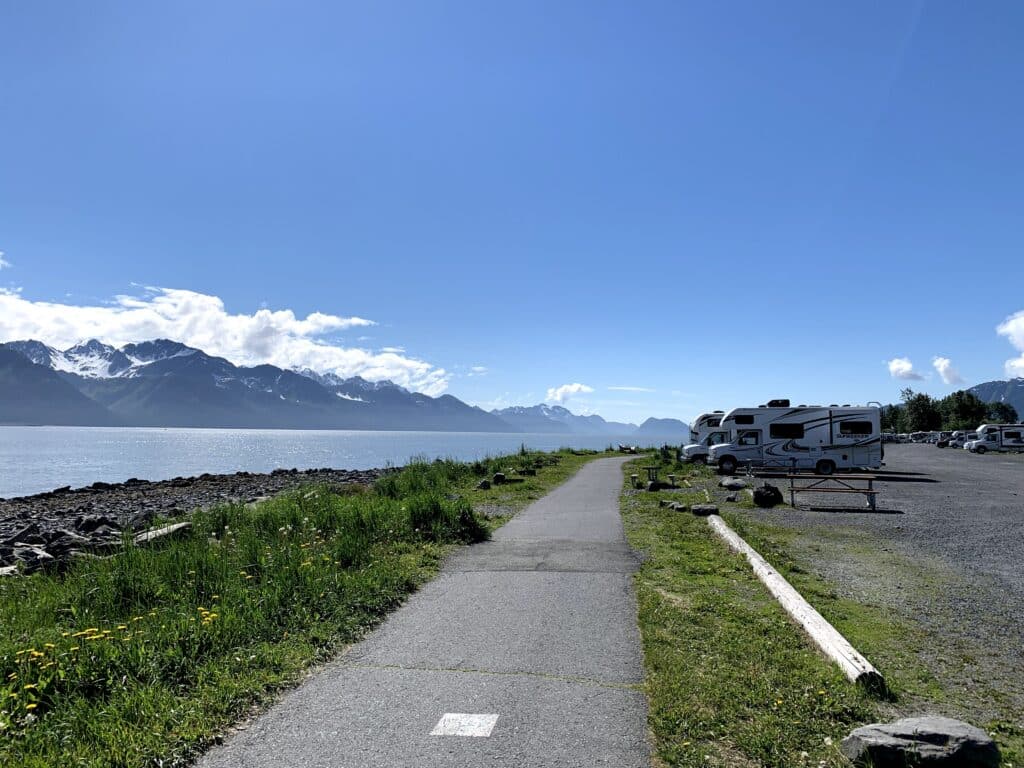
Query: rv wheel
[[727, 465], [825, 467], [980, 449]]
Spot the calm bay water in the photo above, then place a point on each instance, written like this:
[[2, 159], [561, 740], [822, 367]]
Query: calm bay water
[[36, 459]]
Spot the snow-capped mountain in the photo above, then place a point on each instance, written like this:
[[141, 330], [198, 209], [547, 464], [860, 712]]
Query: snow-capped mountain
[[165, 383]]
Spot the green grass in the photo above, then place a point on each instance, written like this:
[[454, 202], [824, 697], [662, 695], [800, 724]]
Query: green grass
[[731, 681], [143, 658]]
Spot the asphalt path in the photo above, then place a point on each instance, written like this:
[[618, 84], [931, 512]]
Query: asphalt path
[[523, 652]]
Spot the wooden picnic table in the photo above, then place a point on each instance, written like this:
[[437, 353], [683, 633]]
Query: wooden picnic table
[[832, 484]]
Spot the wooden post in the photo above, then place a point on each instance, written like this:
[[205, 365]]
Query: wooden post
[[825, 636]]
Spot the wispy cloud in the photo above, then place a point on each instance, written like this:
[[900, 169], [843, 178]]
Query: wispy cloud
[[1013, 329], [393, 350], [945, 369], [277, 337], [478, 370], [3, 261], [562, 393], [631, 389], [902, 368]]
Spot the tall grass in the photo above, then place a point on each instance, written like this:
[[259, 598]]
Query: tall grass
[[135, 658]]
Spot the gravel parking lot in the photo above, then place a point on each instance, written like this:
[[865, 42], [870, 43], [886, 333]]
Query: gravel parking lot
[[945, 549]]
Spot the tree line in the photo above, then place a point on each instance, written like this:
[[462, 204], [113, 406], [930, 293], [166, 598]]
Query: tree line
[[960, 410]]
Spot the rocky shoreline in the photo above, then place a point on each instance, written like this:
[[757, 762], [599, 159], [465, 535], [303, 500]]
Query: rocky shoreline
[[48, 529]]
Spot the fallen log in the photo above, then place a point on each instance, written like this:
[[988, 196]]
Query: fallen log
[[160, 533], [824, 635]]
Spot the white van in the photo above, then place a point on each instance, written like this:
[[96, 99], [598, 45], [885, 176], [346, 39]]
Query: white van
[[805, 437], [997, 437], [701, 428]]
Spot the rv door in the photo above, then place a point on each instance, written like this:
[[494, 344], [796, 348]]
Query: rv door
[[748, 447]]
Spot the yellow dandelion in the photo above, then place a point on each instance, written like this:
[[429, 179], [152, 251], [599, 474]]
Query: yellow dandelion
[[29, 687], [65, 634], [122, 626], [49, 645], [73, 648], [31, 706]]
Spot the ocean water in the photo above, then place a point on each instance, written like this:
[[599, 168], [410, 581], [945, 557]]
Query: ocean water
[[37, 459]]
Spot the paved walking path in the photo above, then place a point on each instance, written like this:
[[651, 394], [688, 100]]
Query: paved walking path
[[533, 634]]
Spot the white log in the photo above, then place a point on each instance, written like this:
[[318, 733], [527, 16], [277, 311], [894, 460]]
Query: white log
[[824, 635], [159, 533]]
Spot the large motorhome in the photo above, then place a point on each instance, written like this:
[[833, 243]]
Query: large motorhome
[[803, 437], [997, 437], [704, 433], [705, 423], [698, 452]]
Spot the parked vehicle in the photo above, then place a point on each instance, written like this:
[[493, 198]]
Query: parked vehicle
[[697, 453], [960, 437], [805, 437], [943, 439], [704, 424], [997, 437]]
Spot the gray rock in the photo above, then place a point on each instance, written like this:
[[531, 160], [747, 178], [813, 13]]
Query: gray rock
[[704, 509], [732, 484], [732, 497], [484, 485], [921, 741], [499, 478]]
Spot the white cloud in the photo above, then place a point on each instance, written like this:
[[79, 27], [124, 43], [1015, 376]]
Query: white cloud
[[478, 370], [393, 350], [630, 389], [945, 368], [198, 320], [560, 394], [3, 261], [902, 368], [1013, 329]]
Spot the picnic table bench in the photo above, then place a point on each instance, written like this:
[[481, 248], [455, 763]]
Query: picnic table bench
[[807, 483]]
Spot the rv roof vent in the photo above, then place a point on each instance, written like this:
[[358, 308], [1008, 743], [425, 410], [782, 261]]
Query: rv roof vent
[[846, 405], [762, 405], [833, 405], [778, 403], [718, 411], [801, 406]]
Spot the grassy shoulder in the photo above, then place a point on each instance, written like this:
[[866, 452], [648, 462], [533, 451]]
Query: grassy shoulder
[[732, 678], [731, 681], [926, 669], [144, 657]]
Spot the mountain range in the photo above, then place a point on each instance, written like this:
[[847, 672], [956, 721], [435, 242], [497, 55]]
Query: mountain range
[[163, 383], [1010, 392]]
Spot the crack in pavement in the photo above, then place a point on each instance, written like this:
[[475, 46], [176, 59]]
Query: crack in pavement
[[525, 674]]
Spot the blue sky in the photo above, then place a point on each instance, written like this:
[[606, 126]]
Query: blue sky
[[718, 202]]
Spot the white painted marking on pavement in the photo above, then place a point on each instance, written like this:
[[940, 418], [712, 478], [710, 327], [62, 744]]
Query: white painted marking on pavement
[[459, 724]]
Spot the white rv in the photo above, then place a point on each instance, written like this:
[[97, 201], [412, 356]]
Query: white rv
[[997, 437], [705, 426], [960, 438], [698, 452], [704, 423], [805, 437]]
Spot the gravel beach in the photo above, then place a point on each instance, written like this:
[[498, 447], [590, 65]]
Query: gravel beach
[[38, 530]]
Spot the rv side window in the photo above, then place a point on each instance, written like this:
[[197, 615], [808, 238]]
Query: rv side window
[[714, 422], [855, 428], [787, 431], [751, 437], [744, 419], [1011, 435]]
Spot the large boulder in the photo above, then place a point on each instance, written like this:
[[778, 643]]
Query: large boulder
[[921, 741], [767, 496], [732, 484]]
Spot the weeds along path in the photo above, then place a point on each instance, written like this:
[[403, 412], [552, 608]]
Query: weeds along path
[[523, 652]]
